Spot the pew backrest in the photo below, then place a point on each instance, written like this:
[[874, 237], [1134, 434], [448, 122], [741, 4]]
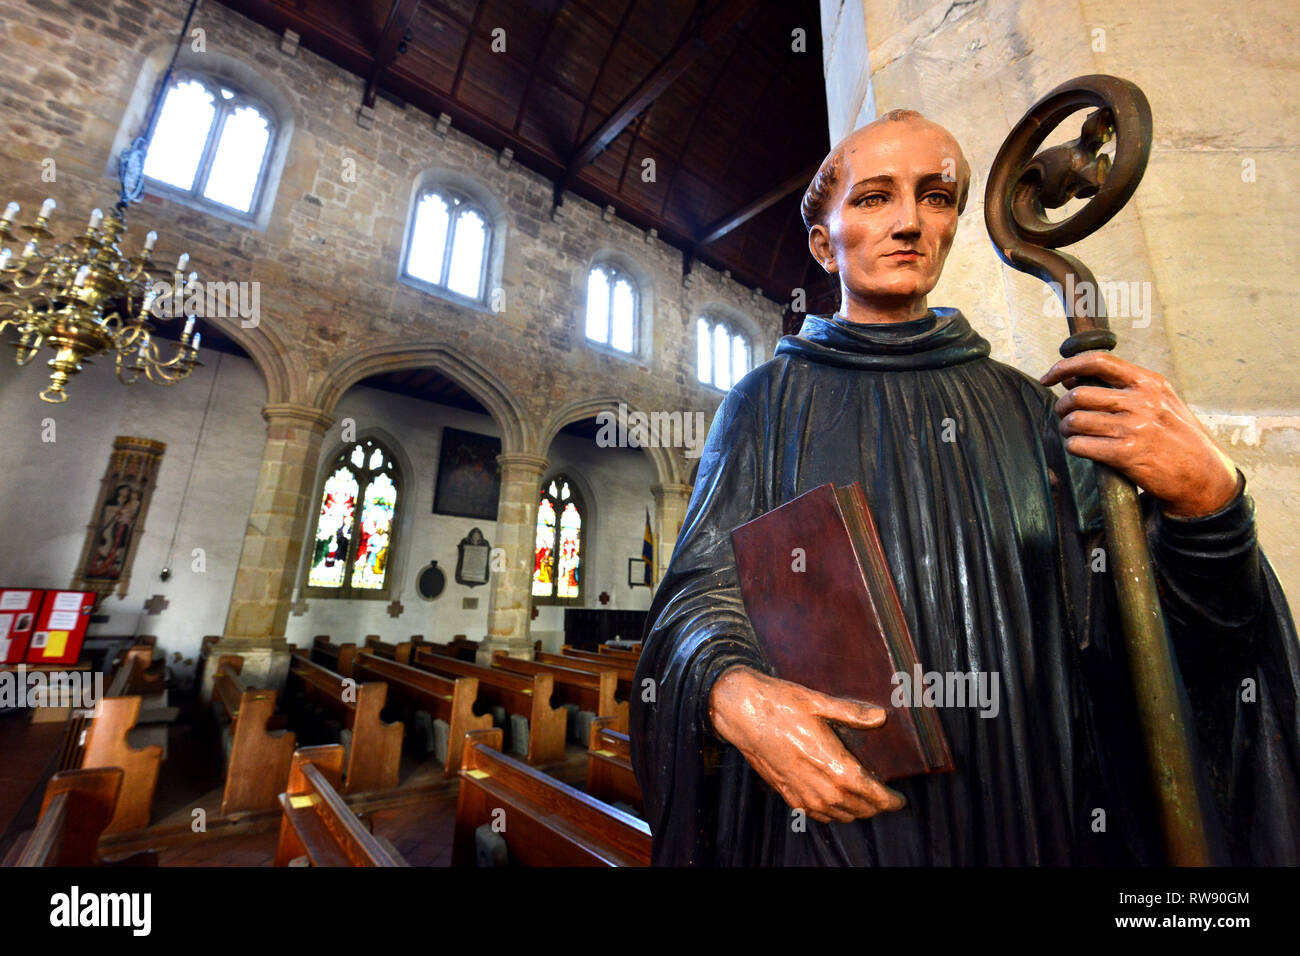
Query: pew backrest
[[76, 810], [317, 823], [547, 823]]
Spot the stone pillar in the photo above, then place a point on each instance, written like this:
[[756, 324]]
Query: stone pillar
[[510, 600], [670, 509], [268, 562]]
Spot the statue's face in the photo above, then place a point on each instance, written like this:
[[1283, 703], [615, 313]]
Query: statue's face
[[891, 223]]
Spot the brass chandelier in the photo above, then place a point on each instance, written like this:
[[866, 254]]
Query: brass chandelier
[[85, 297]]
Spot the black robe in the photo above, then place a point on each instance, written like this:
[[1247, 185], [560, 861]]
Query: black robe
[[989, 527]]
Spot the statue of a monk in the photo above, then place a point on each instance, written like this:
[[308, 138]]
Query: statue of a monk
[[981, 482]]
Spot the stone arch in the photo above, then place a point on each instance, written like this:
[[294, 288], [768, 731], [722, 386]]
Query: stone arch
[[517, 432], [665, 461], [281, 369]]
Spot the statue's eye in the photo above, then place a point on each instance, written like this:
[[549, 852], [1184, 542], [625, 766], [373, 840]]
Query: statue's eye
[[871, 199], [938, 198]]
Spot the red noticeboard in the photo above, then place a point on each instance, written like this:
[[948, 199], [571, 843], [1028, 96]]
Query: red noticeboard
[[18, 610], [61, 627]]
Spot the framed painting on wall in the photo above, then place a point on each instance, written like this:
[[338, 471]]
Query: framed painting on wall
[[469, 478], [117, 521]]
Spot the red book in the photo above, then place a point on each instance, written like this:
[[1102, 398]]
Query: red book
[[827, 616]]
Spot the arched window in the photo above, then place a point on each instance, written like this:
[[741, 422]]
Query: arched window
[[211, 143], [449, 244], [612, 311], [557, 564], [723, 353], [355, 524]]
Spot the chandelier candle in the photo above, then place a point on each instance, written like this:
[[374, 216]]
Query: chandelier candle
[[83, 298]]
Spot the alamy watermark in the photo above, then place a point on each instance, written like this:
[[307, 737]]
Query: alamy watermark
[[977, 689], [1123, 300], [624, 429], [234, 300], [80, 690]]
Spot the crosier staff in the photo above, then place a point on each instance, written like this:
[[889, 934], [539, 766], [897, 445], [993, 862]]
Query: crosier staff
[[1021, 186]]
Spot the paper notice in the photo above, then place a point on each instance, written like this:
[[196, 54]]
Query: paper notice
[[55, 646], [67, 601], [14, 600], [4, 649], [6, 625], [63, 620]]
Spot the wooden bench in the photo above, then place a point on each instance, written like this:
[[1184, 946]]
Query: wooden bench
[[335, 657], [77, 808], [620, 654], [375, 754], [318, 824], [458, 647], [546, 823], [106, 744], [593, 665], [593, 692], [259, 758], [450, 699], [525, 696], [610, 777], [401, 653]]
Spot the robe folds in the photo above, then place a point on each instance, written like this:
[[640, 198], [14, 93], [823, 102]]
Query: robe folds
[[991, 531]]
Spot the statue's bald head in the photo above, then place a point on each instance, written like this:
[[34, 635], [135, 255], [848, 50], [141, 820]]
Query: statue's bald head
[[825, 185]]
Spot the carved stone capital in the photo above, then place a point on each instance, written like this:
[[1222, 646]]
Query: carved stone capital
[[295, 415]]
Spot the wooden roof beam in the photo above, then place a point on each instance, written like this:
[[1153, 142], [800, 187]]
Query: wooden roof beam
[[718, 229], [695, 44], [386, 50]]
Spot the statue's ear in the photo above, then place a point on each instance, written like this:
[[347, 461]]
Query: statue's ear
[[819, 244]]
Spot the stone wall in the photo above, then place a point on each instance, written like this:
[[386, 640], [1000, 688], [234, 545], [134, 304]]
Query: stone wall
[[1212, 232], [49, 488]]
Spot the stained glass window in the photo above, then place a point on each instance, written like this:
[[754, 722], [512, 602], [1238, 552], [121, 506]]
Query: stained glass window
[[611, 308], [354, 535], [450, 239], [722, 353], [557, 565], [211, 141]]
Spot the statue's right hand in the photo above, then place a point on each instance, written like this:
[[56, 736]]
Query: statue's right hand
[[783, 730]]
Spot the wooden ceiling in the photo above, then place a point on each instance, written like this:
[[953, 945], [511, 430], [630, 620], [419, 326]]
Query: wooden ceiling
[[586, 90]]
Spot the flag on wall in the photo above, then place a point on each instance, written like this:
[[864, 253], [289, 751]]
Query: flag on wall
[[648, 550]]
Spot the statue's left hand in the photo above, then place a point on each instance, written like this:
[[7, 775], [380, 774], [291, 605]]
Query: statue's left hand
[[1141, 428]]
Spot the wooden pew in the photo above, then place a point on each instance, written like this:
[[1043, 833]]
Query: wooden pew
[[400, 653], [375, 754], [527, 696], [259, 759], [106, 745], [593, 692], [458, 647], [627, 656], [77, 808], [615, 657], [594, 665], [547, 823], [335, 657], [610, 776], [318, 824], [444, 698]]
